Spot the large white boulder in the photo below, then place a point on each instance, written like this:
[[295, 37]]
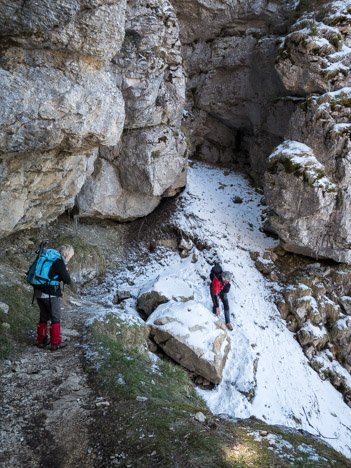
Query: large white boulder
[[191, 335], [164, 289]]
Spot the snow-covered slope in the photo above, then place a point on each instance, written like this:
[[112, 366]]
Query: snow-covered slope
[[266, 374]]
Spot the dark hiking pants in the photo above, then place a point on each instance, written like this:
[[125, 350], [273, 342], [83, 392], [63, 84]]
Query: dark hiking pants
[[49, 309], [224, 298]]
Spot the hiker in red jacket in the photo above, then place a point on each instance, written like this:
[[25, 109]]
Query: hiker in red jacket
[[219, 288]]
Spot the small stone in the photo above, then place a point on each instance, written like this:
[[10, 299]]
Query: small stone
[[186, 244], [141, 398], [4, 308], [200, 417], [254, 255], [152, 347], [264, 268], [102, 404], [123, 295], [283, 309], [237, 200], [274, 277], [184, 253], [6, 326]]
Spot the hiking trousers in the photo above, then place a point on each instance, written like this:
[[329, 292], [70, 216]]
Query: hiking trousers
[[224, 298], [50, 309]]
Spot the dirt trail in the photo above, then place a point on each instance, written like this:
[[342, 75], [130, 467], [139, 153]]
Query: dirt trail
[[47, 407]]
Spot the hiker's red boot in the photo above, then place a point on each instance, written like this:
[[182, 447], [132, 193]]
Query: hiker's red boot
[[42, 332], [55, 334]]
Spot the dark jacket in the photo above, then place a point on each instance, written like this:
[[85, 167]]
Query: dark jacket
[[59, 272]]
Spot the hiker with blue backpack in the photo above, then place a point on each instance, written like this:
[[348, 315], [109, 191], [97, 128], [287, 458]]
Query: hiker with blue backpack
[[45, 275], [219, 288]]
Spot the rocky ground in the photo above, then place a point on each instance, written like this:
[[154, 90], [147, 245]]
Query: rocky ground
[[47, 404]]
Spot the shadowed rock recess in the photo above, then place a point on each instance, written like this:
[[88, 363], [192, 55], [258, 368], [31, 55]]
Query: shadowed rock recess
[[102, 101]]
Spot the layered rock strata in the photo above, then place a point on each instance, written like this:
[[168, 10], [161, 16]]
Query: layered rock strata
[[308, 181], [73, 76], [150, 161], [318, 309]]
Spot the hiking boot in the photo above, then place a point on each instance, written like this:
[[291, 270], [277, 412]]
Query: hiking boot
[[46, 342], [229, 326], [57, 347]]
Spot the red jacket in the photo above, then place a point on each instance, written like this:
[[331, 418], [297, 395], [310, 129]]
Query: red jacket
[[217, 286]]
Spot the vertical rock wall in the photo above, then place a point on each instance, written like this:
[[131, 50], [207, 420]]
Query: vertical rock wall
[[229, 50], [150, 161], [74, 75], [309, 176]]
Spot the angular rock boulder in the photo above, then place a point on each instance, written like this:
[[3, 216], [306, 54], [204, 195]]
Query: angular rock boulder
[[191, 335], [303, 199], [163, 290]]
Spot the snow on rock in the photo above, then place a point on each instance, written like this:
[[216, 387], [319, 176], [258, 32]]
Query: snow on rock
[[303, 200], [193, 336], [163, 290], [300, 160], [312, 335], [345, 301]]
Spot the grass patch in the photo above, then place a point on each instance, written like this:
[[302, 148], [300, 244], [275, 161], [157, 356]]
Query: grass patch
[[343, 102], [153, 404], [21, 318]]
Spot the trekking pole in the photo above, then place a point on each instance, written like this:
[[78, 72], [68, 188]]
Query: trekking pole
[[41, 248], [235, 283]]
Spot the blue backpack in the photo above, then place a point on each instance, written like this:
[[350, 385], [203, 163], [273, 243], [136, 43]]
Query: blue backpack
[[38, 274]]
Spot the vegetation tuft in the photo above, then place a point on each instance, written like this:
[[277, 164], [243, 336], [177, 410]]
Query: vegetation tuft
[[20, 318], [85, 255]]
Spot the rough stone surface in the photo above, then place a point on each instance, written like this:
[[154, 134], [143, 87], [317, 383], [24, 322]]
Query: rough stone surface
[[150, 161], [310, 206], [230, 115], [316, 308], [73, 75], [202, 349], [161, 291]]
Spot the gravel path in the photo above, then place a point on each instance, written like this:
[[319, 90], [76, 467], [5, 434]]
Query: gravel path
[[47, 407]]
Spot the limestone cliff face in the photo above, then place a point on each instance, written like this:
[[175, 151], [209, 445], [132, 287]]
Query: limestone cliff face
[[150, 161], [74, 75], [229, 51], [308, 182], [94, 101]]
